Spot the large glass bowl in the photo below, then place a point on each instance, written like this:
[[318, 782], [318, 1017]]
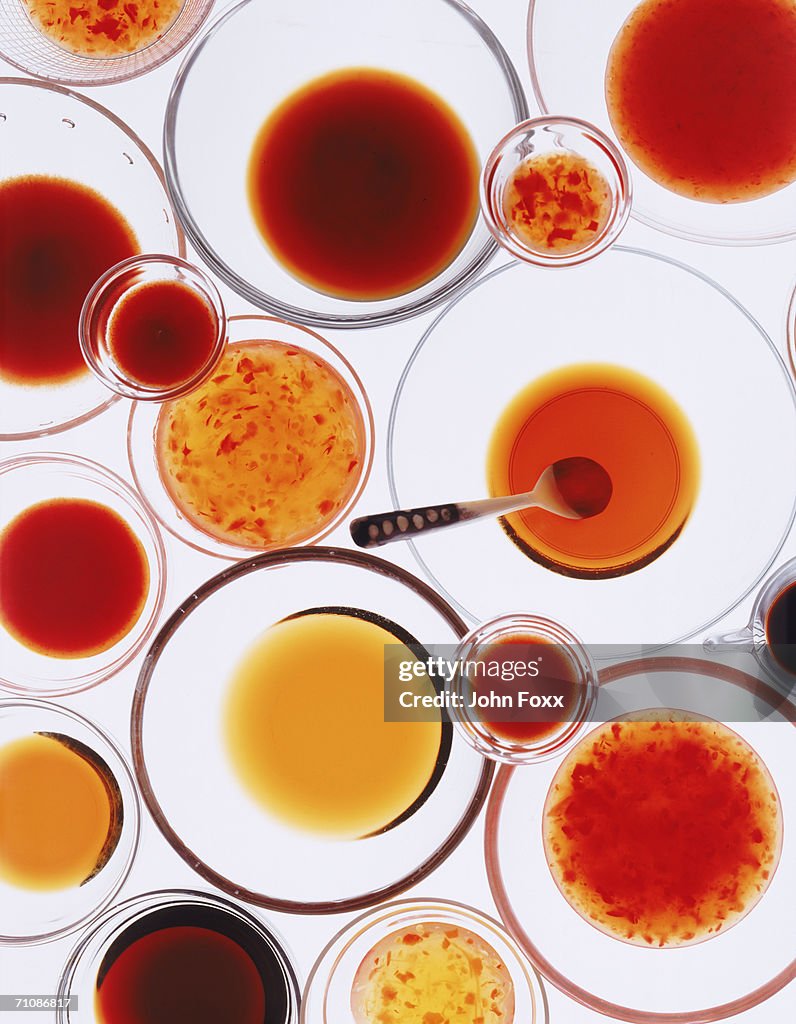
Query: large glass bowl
[[650, 985], [196, 799], [647, 313], [440, 43], [47, 130], [568, 46]]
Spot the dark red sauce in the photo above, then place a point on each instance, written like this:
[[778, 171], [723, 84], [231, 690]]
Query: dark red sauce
[[162, 333], [73, 578], [781, 628], [364, 184], [56, 238], [702, 94]]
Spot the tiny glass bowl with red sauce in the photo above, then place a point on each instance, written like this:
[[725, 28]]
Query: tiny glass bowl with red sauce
[[82, 574], [153, 328], [524, 668], [555, 192]]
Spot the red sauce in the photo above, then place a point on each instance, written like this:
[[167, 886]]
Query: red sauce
[[56, 238], [702, 94], [73, 578], [364, 184], [162, 334], [557, 675], [662, 832]]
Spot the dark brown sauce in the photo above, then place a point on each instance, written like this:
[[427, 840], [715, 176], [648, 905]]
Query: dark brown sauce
[[781, 628]]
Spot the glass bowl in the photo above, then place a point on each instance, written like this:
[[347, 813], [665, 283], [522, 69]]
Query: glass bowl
[[30, 50], [99, 307], [440, 43], [29, 479], [327, 993], [31, 916], [47, 130], [567, 73], [78, 982], [143, 423], [637, 310], [554, 135], [197, 801], [608, 975]]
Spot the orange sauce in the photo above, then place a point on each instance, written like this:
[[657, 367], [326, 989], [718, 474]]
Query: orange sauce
[[634, 430], [103, 28]]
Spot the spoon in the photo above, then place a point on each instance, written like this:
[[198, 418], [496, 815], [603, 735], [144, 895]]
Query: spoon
[[574, 488]]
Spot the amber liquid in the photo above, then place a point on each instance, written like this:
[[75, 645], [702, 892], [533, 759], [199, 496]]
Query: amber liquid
[[60, 812], [190, 965], [56, 238], [432, 973], [662, 833], [364, 184], [103, 28], [318, 754], [781, 628], [702, 95], [74, 578], [162, 334], [634, 430]]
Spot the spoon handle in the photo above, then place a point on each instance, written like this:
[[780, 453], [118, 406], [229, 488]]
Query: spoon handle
[[385, 527]]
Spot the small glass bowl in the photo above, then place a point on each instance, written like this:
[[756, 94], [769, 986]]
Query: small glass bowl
[[543, 135], [142, 437], [499, 748], [30, 50], [31, 916], [98, 311], [78, 983], [29, 479], [327, 993]]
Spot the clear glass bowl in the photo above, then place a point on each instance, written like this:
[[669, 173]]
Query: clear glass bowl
[[78, 982], [327, 993], [110, 289], [671, 324], [31, 916], [666, 985], [197, 801], [47, 130], [554, 135], [567, 73], [28, 479], [440, 43], [142, 437], [30, 50]]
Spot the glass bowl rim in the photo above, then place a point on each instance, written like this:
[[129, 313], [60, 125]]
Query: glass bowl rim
[[270, 303], [630, 251], [380, 914], [96, 298], [790, 331], [108, 480], [673, 229], [621, 198], [160, 898], [151, 159], [235, 554], [497, 886], [283, 557], [98, 731], [136, 67]]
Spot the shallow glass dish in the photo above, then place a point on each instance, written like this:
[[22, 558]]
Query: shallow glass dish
[[31, 916], [440, 43], [47, 130], [197, 800], [143, 427], [29, 479], [78, 982], [327, 994], [638, 310], [30, 50], [608, 975], [567, 73]]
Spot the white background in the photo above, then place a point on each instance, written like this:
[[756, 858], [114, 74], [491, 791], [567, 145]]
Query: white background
[[761, 278]]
